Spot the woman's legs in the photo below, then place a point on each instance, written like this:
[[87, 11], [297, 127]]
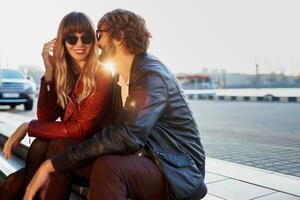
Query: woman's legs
[[35, 157], [15, 184]]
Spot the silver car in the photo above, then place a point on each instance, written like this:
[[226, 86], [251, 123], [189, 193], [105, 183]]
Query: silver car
[[16, 88]]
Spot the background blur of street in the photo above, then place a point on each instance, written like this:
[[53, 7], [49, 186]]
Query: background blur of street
[[258, 134]]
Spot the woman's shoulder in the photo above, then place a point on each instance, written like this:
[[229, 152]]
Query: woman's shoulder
[[103, 73]]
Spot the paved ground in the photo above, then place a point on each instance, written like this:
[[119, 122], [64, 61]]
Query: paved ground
[[262, 135]]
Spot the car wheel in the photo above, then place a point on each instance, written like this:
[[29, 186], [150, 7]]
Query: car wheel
[[28, 106], [12, 106]]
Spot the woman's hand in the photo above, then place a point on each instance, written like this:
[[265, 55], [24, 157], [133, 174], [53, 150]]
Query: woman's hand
[[15, 139], [48, 58]]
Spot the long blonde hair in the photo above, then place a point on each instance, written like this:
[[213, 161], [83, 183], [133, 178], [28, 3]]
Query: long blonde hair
[[65, 77]]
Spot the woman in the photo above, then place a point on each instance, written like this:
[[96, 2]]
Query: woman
[[74, 88]]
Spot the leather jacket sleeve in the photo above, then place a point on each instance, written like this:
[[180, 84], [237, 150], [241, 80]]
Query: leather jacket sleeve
[[47, 107], [84, 118], [144, 106]]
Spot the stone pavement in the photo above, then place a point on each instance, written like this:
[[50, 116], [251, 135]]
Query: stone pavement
[[262, 135]]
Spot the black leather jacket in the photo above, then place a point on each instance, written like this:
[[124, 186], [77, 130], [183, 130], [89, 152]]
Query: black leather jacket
[[155, 118]]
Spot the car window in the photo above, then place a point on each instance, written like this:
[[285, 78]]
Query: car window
[[11, 74]]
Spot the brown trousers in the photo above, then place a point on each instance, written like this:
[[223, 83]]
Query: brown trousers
[[112, 177]]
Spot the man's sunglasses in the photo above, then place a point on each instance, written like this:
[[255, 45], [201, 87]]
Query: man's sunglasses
[[85, 39], [99, 33]]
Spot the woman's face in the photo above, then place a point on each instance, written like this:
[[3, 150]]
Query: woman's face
[[79, 46]]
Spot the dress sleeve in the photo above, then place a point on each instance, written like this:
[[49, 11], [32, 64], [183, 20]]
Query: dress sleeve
[[47, 107]]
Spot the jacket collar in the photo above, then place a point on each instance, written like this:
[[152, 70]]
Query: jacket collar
[[136, 69]]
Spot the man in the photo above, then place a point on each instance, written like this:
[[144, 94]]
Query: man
[[152, 150]]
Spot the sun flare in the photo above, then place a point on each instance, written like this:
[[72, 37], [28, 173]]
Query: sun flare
[[110, 67]]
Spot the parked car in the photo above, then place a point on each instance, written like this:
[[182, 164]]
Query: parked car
[[16, 88]]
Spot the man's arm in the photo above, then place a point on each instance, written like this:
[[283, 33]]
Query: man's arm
[[144, 106], [40, 180]]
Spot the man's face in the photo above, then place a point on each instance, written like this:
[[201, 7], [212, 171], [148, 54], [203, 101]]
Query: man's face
[[108, 49]]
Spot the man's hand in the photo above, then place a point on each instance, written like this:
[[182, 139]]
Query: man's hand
[[40, 181], [15, 139]]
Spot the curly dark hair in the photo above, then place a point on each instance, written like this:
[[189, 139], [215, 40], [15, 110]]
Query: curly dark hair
[[136, 35]]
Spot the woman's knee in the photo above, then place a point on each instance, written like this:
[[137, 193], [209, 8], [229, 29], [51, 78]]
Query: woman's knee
[[57, 146], [37, 150], [39, 145]]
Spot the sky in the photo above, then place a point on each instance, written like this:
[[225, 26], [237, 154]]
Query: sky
[[188, 36]]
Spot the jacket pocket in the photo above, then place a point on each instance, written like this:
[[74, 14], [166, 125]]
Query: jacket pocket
[[182, 174], [177, 160]]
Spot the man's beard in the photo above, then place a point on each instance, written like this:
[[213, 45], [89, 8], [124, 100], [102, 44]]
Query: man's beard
[[107, 52]]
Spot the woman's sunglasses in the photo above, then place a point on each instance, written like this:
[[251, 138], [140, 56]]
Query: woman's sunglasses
[[85, 39]]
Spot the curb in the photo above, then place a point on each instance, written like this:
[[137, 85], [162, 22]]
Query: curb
[[263, 178], [266, 98]]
